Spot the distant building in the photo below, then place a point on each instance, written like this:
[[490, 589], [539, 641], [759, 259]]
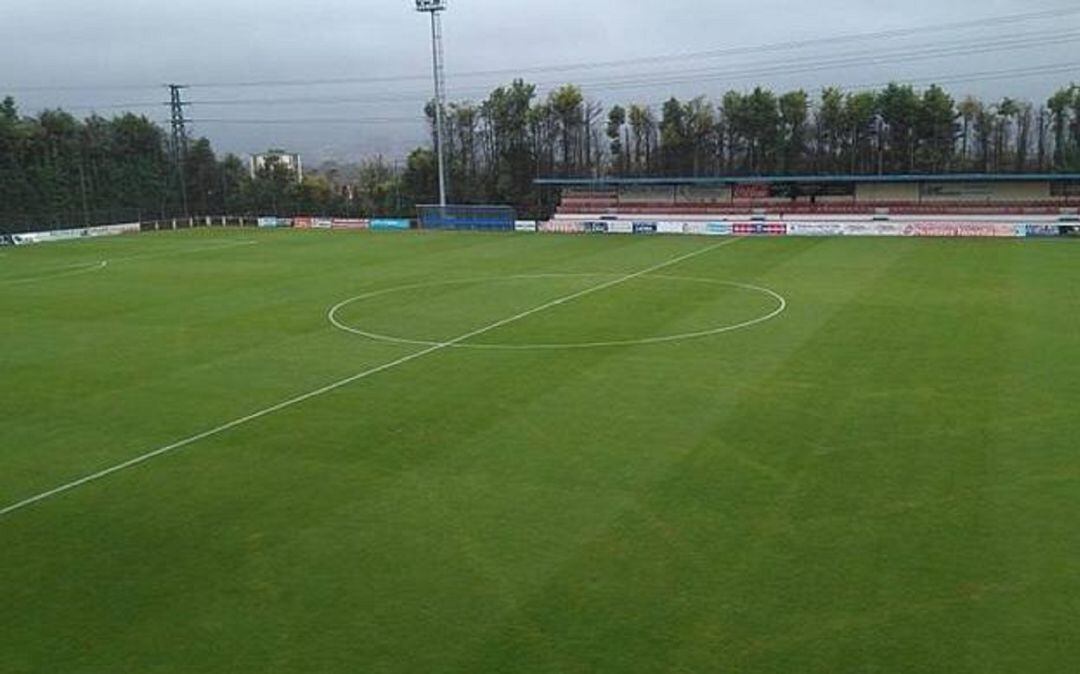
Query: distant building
[[288, 160]]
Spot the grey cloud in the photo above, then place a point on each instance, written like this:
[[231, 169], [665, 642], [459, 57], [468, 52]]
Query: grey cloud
[[114, 42]]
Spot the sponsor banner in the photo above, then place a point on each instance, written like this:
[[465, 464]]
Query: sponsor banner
[[322, 223], [759, 229], [620, 227], [873, 229], [707, 228], [816, 229], [561, 227], [302, 223], [525, 226], [670, 227], [72, 234], [1042, 230], [390, 224], [963, 229], [645, 228], [349, 223], [594, 227], [272, 223]]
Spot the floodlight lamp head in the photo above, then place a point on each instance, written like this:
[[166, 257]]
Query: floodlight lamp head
[[430, 5]]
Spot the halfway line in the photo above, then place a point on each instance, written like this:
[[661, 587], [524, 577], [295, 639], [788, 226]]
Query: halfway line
[[345, 382]]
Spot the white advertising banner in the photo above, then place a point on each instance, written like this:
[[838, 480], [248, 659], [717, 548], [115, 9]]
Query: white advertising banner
[[72, 234], [873, 229], [665, 227], [561, 227], [964, 229], [816, 229], [715, 228]]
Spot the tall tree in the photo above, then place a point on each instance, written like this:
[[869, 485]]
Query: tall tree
[[616, 122]]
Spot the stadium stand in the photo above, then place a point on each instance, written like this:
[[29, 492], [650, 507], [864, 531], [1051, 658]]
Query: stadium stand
[[997, 195]]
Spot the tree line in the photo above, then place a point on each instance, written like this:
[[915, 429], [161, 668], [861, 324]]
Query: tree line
[[58, 170], [497, 146]]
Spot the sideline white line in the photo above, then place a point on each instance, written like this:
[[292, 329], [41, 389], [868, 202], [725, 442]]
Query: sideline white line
[[84, 267], [81, 268], [345, 382]]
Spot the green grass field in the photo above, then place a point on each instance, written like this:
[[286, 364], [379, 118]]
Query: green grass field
[[881, 478]]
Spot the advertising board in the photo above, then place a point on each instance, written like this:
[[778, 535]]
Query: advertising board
[[963, 229], [759, 229], [390, 224], [561, 227], [302, 223], [667, 227], [525, 226], [72, 234], [873, 229], [268, 222], [715, 228], [594, 227], [645, 228], [620, 227], [1042, 230], [816, 229]]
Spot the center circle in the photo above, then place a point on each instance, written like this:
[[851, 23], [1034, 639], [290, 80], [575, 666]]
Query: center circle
[[778, 302]]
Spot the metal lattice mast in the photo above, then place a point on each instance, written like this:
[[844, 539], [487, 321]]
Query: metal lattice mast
[[435, 8], [179, 140]]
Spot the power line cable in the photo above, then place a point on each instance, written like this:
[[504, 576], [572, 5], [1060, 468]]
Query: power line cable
[[957, 78], [1007, 20], [696, 55], [849, 59]]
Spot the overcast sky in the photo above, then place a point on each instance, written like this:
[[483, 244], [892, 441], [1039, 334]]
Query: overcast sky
[[119, 52]]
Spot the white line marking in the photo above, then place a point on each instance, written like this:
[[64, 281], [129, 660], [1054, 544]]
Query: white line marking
[[84, 267], [344, 382], [80, 268], [781, 307]]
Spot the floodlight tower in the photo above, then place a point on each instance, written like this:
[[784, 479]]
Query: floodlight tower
[[434, 8]]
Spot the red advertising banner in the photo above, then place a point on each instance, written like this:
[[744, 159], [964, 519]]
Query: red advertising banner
[[759, 229]]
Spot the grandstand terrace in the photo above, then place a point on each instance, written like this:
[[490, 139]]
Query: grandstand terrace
[[1043, 196]]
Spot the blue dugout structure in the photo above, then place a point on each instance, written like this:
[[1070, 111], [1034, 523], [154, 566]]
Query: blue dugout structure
[[483, 218]]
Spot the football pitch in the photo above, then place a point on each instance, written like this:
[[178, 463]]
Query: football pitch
[[247, 451]]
